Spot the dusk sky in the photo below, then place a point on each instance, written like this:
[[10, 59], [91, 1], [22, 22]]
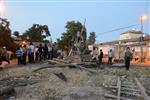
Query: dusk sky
[[101, 15]]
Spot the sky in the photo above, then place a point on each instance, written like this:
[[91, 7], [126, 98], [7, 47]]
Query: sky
[[101, 15]]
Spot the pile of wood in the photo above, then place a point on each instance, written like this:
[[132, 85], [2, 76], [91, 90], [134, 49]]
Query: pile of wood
[[64, 63]]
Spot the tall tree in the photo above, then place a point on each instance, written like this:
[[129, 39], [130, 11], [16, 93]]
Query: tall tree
[[37, 33], [92, 38], [71, 34]]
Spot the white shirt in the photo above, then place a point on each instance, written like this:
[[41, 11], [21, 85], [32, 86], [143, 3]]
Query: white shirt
[[95, 54], [32, 48], [49, 49], [36, 49], [110, 54]]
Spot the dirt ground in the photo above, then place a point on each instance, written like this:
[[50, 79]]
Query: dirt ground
[[80, 84]]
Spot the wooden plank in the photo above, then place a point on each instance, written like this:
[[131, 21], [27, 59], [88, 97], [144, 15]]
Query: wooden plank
[[143, 91], [133, 94], [110, 96], [60, 60], [123, 98], [130, 89], [119, 88], [65, 65], [114, 87], [89, 70], [53, 62]]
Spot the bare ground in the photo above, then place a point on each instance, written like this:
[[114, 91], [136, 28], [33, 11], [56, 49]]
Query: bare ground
[[81, 85]]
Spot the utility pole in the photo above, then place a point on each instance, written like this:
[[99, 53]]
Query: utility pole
[[142, 18]]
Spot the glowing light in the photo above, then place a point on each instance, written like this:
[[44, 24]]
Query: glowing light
[[144, 17]]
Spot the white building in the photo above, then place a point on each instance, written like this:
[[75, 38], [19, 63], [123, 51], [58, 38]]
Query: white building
[[130, 34]]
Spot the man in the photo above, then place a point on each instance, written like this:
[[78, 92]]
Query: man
[[5, 56], [24, 57], [19, 55], [40, 50], [110, 56], [36, 53], [45, 52], [94, 54], [49, 52], [31, 50], [127, 58], [100, 56]]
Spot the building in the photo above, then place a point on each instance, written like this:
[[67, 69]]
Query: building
[[129, 39], [130, 34]]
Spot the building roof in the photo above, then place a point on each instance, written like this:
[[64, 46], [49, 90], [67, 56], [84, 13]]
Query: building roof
[[146, 38], [132, 31]]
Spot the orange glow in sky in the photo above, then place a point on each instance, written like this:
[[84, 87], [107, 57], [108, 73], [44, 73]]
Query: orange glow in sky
[[144, 17]]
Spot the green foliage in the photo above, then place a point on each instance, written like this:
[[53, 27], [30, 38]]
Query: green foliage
[[37, 33], [92, 38], [5, 35], [72, 28]]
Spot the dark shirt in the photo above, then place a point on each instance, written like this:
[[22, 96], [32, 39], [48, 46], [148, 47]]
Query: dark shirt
[[101, 55], [40, 49], [45, 49]]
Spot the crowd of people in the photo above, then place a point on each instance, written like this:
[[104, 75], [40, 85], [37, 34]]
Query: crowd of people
[[33, 54]]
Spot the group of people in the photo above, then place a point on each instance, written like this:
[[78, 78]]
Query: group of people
[[44, 52], [98, 56], [35, 53]]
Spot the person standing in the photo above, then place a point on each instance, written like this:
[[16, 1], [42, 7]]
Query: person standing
[[100, 57], [31, 50], [40, 50], [110, 56], [36, 53], [45, 51], [94, 54], [127, 58], [19, 55], [24, 57], [4, 55], [49, 52]]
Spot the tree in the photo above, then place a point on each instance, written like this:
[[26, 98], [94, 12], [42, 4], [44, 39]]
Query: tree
[[72, 28], [37, 33], [92, 38], [5, 35]]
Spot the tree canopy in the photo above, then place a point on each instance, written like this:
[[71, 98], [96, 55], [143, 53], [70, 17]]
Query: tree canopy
[[5, 35], [72, 30], [92, 38], [37, 33]]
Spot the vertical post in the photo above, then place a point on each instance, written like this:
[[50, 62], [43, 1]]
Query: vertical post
[[119, 49], [141, 19], [141, 40]]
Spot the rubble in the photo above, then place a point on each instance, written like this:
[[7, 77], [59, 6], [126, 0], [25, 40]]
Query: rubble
[[80, 84]]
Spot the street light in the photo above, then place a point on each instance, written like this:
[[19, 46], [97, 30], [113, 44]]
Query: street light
[[142, 19]]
